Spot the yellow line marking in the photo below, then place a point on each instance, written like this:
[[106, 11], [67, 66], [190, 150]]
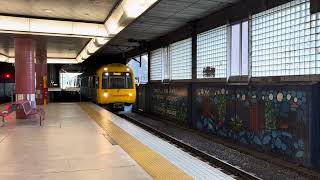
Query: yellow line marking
[[153, 163]]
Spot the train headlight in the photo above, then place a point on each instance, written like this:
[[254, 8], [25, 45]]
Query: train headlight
[[105, 69], [105, 94], [130, 94], [128, 69]]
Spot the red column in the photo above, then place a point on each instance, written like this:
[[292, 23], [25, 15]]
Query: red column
[[45, 80], [25, 70], [41, 72]]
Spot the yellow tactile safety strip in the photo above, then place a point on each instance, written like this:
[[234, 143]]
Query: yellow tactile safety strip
[[153, 163]]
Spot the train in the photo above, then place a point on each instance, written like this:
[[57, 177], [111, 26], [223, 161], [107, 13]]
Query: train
[[112, 85]]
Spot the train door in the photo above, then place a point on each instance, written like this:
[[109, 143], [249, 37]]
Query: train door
[[96, 87]]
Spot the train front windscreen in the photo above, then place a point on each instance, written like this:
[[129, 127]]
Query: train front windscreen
[[117, 81]]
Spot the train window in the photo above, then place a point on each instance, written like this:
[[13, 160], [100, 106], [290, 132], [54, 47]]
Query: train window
[[117, 81]]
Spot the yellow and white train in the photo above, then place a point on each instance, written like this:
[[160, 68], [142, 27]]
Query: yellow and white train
[[112, 85]]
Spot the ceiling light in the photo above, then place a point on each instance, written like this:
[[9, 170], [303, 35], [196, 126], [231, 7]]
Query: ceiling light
[[84, 55], [61, 61], [91, 47], [125, 13], [100, 41], [135, 8], [112, 27]]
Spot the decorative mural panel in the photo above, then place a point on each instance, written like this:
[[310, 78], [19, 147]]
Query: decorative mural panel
[[270, 120], [170, 103]]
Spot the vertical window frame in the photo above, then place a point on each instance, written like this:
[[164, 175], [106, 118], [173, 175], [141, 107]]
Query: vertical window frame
[[240, 68]]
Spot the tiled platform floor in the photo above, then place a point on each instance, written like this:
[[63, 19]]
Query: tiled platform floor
[[68, 146]]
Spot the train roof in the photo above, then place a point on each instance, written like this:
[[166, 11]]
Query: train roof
[[118, 66]]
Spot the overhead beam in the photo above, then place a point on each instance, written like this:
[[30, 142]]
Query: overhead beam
[[11, 24], [7, 59]]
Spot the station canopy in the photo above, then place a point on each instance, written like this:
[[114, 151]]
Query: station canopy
[[74, 30]]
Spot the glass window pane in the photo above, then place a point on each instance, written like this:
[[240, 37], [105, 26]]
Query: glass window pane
[[212, 53], [245, 48], [156, 64], [288, 45], [235, 50], [180, 57]]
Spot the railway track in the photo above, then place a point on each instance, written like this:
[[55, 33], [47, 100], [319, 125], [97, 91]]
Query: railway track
[[239, 173]]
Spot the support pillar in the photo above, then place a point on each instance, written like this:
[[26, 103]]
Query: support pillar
[[41, 73], [24, 70]]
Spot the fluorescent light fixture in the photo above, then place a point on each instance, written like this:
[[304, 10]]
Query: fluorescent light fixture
[[10, 24], [61, 61], [113, 27], [79, 59], [134, 8], [91, 47], [84, 54], [100, 41], [125, 13]]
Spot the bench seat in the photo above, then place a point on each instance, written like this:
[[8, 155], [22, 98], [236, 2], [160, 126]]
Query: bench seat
[[29, 111]]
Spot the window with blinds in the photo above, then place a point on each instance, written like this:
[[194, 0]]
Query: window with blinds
[[156, 64], [212, 53], [284, 41], [180, 58]]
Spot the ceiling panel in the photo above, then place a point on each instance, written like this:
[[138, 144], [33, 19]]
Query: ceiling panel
[[164, 17], [81, 10], [58, 47]]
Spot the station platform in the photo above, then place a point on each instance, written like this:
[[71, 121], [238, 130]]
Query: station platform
[[69, 145], [85, 141]]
